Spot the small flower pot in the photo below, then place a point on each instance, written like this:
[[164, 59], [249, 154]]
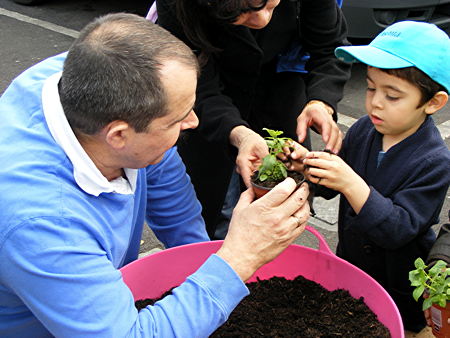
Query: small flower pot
[[262, 188], [440, 318]]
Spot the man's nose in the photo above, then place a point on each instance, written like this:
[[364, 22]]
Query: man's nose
[[191, 121]]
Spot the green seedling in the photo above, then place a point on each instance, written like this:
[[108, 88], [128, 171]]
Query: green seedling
[[434, 282], [272, 167]]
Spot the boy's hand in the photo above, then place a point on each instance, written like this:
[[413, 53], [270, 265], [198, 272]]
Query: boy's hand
[[331, 171], [293, 155]]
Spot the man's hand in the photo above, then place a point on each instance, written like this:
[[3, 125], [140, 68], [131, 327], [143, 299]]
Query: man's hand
[[320, 116], [259, 231], [252, 148]]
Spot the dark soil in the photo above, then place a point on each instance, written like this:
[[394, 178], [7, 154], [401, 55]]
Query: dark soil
[[278, 307], [269, 183]]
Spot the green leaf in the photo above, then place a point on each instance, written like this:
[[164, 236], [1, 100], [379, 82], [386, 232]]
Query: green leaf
[[414, 278], [426, 304], [438, 268], [273, 133], [418, 292], [419, 263], [441, 300]]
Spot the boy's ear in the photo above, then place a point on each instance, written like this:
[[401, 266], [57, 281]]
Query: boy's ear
[[437, 102]]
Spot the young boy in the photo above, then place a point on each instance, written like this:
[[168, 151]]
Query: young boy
[[393, 171]]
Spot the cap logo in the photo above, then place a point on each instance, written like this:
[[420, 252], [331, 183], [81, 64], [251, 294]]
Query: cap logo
[[394, 34]]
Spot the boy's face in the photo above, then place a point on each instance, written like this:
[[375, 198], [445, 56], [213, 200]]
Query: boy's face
[[392, 105]]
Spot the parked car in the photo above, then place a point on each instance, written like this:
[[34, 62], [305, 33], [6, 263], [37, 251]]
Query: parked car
[[27, 2], [366, 18]]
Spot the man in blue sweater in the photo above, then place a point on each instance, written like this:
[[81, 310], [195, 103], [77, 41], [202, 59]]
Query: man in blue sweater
[[86, 153]]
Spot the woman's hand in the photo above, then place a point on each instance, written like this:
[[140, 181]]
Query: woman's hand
[[319, 115], [251, 149]]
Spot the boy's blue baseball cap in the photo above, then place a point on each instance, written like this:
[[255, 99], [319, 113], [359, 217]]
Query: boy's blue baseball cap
[[406, 44]]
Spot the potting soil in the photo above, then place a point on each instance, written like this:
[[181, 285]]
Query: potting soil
[[278, 307]]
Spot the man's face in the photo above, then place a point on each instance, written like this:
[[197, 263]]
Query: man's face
[[149, 147]]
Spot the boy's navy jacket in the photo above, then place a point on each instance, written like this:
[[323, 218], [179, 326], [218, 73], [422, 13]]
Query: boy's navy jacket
[[407, 192]]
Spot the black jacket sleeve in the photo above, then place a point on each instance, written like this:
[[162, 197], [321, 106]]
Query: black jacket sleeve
[[441, 248], [323, 29]]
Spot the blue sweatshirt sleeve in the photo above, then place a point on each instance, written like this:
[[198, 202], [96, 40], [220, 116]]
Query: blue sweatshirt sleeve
[[69, 288], [173, 210]]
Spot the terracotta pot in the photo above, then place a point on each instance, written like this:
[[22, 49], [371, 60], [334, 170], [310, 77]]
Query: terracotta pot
[[261, 190], [440, 318]]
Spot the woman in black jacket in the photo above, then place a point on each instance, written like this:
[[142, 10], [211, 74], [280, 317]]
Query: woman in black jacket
[[265, 63]]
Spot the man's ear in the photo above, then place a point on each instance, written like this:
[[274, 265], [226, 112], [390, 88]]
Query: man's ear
[[116, 133], [437, 102]]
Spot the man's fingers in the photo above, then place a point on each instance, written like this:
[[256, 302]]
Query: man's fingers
[[299, 230], [246, 198], [300, 218], [278, 194], [296, 203]]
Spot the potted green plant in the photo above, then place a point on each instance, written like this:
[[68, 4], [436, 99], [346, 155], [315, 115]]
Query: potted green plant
[[434, 284], [272, 169]]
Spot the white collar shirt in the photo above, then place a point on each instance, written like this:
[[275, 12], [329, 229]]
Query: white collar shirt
[[86, 174]]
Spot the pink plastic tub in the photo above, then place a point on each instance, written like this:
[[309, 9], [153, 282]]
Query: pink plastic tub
[[152, 275]]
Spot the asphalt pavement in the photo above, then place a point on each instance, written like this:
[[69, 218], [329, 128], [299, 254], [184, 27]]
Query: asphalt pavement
[[29, 34]]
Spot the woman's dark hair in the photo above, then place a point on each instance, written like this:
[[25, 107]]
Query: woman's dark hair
[[427, 86], [112, 72], [195, 15]]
